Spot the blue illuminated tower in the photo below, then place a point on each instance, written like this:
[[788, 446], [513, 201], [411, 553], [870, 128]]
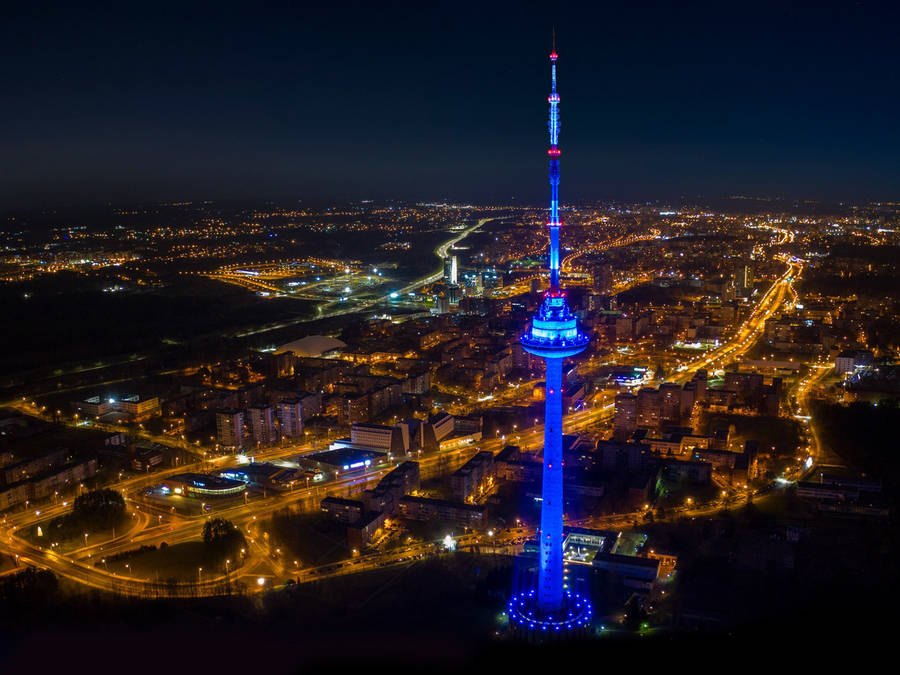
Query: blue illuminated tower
[[553, 336]]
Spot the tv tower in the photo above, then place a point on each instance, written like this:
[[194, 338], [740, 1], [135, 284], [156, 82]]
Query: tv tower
[[553, 336]]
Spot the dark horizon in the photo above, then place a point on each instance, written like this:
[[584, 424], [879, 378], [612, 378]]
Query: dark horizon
[[359, 103]]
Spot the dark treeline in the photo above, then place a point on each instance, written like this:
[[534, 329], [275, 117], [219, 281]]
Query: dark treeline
[[865, 436], [433, 617]]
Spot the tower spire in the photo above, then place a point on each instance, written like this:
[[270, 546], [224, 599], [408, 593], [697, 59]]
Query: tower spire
[[554, 154]]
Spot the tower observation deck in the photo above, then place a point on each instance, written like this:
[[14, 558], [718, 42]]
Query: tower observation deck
[[550, 610]]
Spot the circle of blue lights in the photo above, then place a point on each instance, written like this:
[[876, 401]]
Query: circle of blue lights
[[575, 614]]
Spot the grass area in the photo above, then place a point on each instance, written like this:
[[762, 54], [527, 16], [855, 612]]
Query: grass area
[[64, 544], [630, 543], [778, 433], [7, 562], [179, 561], [436, 488], [313, 539], [429, 530], [98, 512], [783, 504], [440, 606], [186, 308], [673, 493], [864, 436], [511, 501]]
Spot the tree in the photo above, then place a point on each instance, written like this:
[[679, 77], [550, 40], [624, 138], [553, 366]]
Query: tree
[[223, 540], [102, 509], [93, 511], [26, 593], [634, 613]]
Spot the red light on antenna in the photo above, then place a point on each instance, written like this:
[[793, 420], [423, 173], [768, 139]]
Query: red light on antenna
[[554, 55]]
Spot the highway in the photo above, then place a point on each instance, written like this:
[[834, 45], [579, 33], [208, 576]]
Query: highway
[[440, 252], [342, 308], [748, 332]]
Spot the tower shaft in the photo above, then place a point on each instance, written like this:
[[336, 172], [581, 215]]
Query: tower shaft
[[550, 583]]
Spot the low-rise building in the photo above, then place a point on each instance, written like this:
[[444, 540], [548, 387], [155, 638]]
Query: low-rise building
[[474, 478], [389, 439], [365, 530], [458, 513], [344, 510]]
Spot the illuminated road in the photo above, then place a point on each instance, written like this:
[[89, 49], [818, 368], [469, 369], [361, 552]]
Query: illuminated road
[[748, 332], [440, 252], [151, 529], [151, 526], [566, 265], [804, 391]]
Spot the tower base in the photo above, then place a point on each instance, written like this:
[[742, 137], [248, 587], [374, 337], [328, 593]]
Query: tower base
[[529, 622]]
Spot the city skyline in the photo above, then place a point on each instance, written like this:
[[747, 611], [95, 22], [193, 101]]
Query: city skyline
[[688, 102], [304, 368]]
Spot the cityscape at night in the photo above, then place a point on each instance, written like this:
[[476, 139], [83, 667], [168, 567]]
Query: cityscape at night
[[429, 338]]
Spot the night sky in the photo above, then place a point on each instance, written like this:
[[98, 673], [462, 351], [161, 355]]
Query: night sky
[[144, 103]]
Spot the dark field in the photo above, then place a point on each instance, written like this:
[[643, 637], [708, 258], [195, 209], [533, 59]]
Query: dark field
[[66, 321]]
